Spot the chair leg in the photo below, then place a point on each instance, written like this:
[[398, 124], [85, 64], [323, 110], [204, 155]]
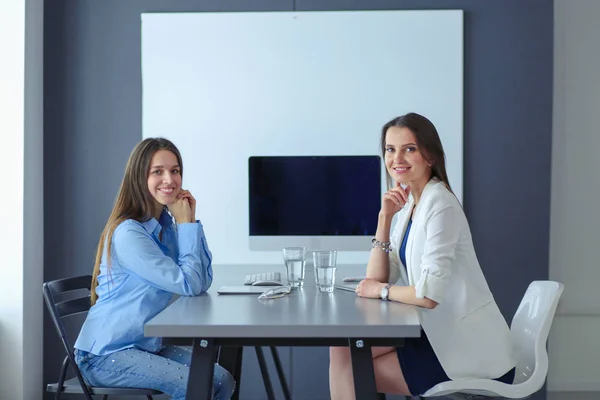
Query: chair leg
[[265, 372], [281, 374], [61, 378]]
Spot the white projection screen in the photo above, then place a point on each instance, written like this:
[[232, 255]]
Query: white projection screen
[[227, 86]]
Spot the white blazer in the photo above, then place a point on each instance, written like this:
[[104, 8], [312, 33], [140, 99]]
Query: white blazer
[[467, 331]]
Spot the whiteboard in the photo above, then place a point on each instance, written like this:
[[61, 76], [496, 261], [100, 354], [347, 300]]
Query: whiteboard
[[227, 86]]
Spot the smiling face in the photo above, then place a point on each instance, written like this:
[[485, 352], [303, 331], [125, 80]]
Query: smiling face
[[404, 160], [164, 178]]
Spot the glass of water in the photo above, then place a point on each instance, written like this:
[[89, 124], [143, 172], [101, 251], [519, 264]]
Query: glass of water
[[294, 258], [325, 266]]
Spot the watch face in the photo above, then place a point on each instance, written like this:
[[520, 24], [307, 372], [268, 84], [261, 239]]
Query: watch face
[[384, 293]]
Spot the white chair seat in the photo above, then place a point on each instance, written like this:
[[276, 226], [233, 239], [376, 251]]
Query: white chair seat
[[478, 387], [529, 330]]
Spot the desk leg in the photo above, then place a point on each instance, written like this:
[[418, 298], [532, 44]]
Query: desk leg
[[200, 380], [284, 386], [362, 370], [230, 358], [264, 370]]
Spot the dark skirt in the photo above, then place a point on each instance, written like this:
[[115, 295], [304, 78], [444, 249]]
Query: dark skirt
[[422, 369]]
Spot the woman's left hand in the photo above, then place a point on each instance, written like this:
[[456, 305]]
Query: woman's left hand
[[185, 194], [370, 288]]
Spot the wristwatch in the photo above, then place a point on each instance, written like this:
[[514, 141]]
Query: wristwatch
[[386, 291]]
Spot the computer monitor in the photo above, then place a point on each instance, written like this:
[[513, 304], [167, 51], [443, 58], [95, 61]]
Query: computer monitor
[[318, 202]]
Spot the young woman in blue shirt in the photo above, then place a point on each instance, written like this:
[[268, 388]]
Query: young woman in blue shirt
[[152, 247], [427, 260]]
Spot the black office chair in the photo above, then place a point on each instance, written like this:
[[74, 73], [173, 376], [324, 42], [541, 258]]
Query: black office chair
[[66, 308]]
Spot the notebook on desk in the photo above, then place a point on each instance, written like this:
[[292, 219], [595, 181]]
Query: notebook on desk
[[242, 289], [349, 287]]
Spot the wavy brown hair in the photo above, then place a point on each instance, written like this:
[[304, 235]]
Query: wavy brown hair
[[428, 141], [134, 200]]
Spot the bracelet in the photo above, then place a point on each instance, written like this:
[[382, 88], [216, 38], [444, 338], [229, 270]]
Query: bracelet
[[385, 246]]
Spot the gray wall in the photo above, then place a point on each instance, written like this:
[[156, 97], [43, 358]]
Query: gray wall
[[574, 352], [93, 119], [33, 204]]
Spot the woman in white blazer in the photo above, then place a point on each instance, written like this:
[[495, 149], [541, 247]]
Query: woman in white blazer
[[427, 261]]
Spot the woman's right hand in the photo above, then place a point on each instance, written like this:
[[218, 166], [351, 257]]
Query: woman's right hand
[[394, 199], [181, 210]]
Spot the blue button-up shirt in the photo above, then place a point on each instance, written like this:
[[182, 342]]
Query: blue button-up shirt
[[144, 274]]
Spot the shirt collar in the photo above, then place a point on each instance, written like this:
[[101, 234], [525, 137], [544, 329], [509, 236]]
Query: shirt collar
[[153, 226]]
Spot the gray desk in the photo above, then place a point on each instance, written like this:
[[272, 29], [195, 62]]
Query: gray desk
[[302, 318]]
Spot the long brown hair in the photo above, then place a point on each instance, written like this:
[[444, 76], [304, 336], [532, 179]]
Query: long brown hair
[[428, 141], [133, 200]]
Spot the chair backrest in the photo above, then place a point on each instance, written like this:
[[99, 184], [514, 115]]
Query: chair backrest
[[530, 327], [75, 303]]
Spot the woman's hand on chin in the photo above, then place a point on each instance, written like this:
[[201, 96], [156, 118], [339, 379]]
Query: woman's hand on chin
[[181, 211]]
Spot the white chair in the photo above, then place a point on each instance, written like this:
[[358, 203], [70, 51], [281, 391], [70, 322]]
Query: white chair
[[529, 328]]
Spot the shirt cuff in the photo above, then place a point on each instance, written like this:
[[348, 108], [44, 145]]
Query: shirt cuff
[[188, 235], [430, 286]]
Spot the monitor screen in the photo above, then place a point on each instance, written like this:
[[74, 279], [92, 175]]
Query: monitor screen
[[314, 195]]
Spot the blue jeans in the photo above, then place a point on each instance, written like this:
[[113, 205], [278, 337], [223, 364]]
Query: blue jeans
[[167, 371]]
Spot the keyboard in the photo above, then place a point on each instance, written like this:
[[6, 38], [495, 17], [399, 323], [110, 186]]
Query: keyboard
[[263, 276]]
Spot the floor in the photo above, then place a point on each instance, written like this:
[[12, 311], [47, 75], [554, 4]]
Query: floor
[[573, 396], [549, 396]]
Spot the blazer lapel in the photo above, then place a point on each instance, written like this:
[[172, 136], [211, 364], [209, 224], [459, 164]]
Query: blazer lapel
[[403, 222], [409, 244]]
